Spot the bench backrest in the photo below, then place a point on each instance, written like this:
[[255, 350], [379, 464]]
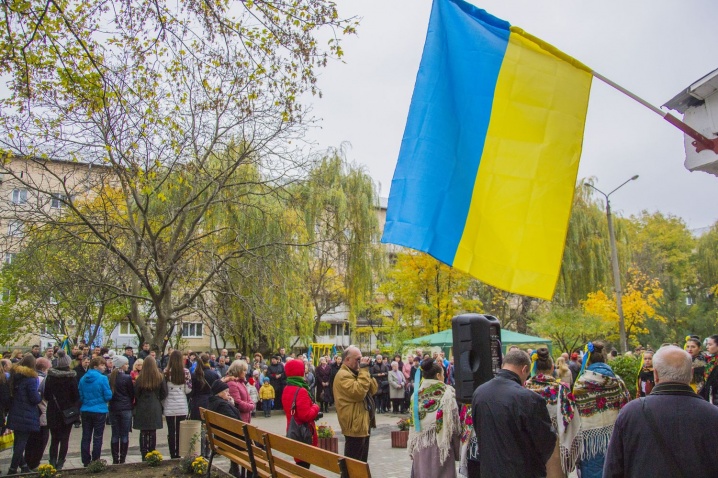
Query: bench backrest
[[254, 449], [227, 437]]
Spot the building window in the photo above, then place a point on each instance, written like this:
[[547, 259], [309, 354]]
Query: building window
[[690, 300], [58, 201], [19, 196], [54, 327], [126, 329], [14, 228], [193, 329], [9, 257]]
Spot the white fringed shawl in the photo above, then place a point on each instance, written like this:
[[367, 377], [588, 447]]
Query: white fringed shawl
[[438, 419]]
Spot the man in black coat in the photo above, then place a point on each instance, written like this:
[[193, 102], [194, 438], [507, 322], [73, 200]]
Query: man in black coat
[[277, 379], [671, 432], [513, 428]]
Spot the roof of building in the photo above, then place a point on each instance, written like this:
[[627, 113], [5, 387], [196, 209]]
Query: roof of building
[[695, 94]]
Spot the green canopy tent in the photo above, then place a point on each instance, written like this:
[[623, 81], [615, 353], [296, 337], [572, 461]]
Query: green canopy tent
[[508, 338]]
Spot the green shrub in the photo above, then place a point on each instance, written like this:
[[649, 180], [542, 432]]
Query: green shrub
[[627, 369], [97, 466]]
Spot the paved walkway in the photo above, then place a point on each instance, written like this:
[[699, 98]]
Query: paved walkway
[[384, 460]]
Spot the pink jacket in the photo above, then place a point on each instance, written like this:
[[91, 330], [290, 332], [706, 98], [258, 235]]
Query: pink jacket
[[240, 395], [406, 370]]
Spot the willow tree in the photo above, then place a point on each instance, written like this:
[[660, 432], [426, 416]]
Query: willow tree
[[340, 216], [153, 92], [257, 300], [586, 264]]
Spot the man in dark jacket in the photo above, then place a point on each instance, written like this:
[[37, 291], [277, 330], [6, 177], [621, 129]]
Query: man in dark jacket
[[671, 432], [380, 372], [277, 379], [513, 429], [82, 367], [130, 356]]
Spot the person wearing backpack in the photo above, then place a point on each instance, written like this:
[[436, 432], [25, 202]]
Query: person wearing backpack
[[297, 401], [61, 394]]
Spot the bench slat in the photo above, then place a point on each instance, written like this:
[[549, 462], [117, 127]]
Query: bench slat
[[230, 438]]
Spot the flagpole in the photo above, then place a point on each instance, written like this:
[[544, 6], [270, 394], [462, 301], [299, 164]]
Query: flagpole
[[701, 142]]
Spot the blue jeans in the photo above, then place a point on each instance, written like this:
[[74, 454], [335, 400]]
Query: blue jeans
[[121, 423], [93, 426], [267, 407]]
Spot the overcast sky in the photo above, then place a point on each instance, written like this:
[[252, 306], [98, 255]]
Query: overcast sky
[[654, 48]]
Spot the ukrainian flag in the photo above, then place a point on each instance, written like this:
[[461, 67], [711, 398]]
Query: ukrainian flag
[[488, 162]]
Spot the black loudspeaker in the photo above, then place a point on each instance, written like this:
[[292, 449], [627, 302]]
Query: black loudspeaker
[[477, 352]]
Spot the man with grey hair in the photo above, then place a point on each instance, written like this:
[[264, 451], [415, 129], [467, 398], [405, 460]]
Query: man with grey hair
[[513, 428], [353, 388], [671, 432]]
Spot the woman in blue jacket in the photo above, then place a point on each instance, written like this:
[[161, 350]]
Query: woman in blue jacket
[[94, 394], [24, 415]]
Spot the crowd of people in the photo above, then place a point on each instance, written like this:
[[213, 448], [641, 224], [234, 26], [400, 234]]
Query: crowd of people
[[537, 417]]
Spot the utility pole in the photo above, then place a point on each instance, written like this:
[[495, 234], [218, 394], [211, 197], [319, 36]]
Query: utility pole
[[614, 263]]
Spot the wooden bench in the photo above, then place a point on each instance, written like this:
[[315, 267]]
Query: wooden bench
[[254, 450]]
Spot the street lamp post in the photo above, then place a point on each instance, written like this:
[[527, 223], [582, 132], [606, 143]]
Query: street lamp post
[[614, 262]]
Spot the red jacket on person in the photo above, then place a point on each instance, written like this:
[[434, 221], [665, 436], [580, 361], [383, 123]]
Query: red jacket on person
[[306, 410]]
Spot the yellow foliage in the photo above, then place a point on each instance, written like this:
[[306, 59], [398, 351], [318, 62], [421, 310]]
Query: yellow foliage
[[639, 303]]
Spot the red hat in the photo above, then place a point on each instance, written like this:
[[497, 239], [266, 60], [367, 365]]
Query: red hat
[[294, 368]]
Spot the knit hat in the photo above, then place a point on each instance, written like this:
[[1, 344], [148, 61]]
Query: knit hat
[[62, 359], [119, 361], [294, 368], [265, 380], [218, 387]]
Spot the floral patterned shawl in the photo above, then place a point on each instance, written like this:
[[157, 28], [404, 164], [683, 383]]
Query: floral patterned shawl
[[599, 395], [438, 418], [560, 403]]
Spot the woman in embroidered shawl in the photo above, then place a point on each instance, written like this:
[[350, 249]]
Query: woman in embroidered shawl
[[558, 398], [693, 347], [710, 375], [434, 444], [600, 394]]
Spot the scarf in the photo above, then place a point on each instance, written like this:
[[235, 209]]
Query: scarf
[[599, 395], [438, 418], [560, 403], [699, 366], [298, 382]]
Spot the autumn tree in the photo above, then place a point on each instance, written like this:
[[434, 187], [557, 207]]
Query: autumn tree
[[425, 294], [55, 285], [640, 298], [171, 99], [569, 328]]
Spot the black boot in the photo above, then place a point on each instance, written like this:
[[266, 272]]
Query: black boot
[[115, 450], [123, 451], [143, 445], [59, 465]]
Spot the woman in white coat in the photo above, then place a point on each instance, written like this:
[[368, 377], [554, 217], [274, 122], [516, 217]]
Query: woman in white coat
[[179, 385]]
